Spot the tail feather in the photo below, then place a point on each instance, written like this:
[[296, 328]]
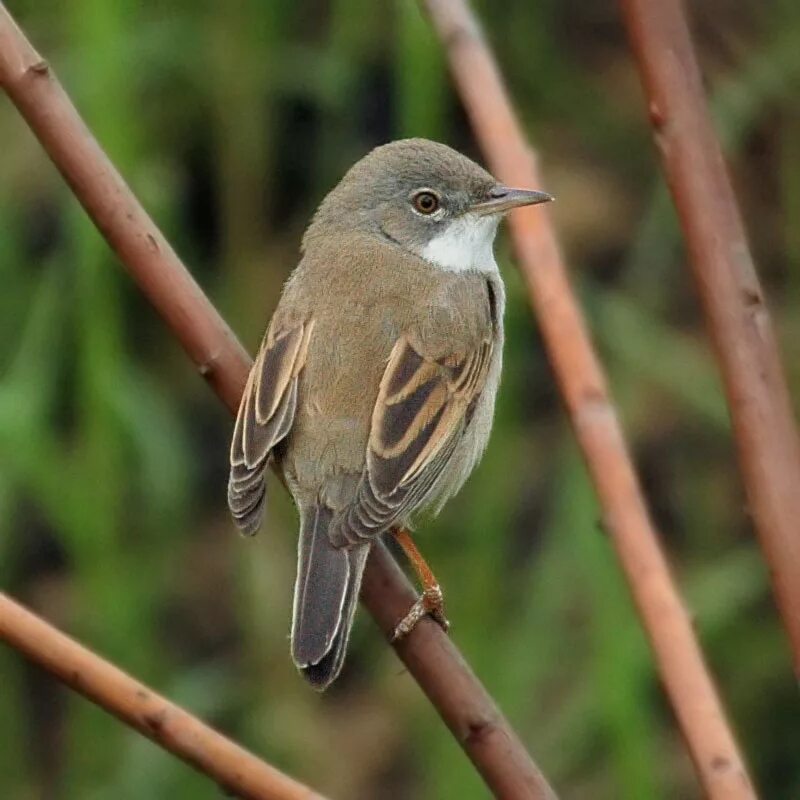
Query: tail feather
[[326, 594]]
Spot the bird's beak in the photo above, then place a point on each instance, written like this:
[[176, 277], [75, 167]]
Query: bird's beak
[[502, 199]]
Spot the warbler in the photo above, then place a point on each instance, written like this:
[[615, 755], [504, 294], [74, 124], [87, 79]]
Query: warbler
[[374, 388]]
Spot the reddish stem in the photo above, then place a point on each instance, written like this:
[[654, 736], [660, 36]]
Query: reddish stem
[[583, 385]]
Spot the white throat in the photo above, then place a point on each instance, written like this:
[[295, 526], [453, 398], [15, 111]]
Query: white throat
[[466, 244]]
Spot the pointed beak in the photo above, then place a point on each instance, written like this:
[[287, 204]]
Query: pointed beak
[[502, 199]]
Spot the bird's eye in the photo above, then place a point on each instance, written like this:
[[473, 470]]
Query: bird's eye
[[425, 202]]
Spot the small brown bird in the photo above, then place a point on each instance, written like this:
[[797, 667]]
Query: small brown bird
[[373, 390]]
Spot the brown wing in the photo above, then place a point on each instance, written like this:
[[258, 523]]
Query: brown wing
[[423, 406], [265, 416]]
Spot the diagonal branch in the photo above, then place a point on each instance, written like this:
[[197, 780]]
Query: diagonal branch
[[430, 656], [594, 419], [234, 768], [447, 680], [733, 300]]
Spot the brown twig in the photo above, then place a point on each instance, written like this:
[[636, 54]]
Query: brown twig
[[209, 342], [733, 300], [451, 686], [580, 376], [430, 656], [233, 767]]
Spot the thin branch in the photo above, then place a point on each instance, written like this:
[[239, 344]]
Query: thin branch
[[209, 342], [583, 385], [430, 656], [733, 300], [447, 680], [234, 768]]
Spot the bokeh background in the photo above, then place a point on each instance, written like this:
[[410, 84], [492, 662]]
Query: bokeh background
[[231, 121]]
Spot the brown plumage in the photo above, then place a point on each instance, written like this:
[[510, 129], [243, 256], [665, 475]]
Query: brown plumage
[[374, 387]]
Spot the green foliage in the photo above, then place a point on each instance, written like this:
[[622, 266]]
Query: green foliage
[[230, 122]]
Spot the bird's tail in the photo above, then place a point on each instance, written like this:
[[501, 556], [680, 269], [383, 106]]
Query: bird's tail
[[325, 598]]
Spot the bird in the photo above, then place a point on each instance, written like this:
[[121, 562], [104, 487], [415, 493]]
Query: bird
[[373, 390]]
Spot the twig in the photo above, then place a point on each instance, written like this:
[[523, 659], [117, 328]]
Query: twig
[[451, 686], [208, 341], [430, 656], [233, 767], [580, 376], [733, 300]]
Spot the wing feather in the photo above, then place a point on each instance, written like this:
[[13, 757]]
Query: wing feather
[[265, 417], [423, 405]]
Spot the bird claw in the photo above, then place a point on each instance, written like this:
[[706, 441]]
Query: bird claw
[[431, 601]]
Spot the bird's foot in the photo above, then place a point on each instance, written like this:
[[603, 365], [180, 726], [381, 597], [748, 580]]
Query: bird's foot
[[431, 601]]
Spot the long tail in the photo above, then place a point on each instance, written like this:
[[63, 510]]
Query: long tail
[[325, 598]]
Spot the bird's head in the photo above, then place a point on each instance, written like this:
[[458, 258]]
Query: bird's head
[[423, 197]]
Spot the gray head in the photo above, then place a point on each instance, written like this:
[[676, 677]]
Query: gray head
[[425, 198]]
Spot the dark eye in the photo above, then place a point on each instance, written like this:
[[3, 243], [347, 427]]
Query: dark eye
[[425, 202]]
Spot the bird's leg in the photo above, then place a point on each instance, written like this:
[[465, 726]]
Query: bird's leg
[[431, 601]]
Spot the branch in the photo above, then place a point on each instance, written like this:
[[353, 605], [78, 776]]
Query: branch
[[451, 686], [733, 300], [594, 419], [430, 656], [233, 767]]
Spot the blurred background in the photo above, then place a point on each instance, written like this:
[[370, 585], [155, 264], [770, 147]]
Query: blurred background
[[231, 121]]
